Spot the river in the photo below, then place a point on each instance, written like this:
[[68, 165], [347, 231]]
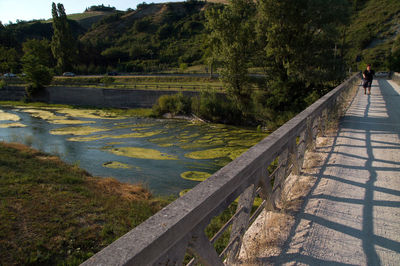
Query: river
[[168, 156]]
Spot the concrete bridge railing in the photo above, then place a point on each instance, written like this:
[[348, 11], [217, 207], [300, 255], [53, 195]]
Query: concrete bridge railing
[[179, 228]]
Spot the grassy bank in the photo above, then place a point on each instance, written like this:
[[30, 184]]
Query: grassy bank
[[53, 213]]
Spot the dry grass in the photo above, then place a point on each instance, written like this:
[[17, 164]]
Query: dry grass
[[219, 1], [111, 186]]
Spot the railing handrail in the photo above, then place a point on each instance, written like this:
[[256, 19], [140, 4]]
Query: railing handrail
[[166, 235]]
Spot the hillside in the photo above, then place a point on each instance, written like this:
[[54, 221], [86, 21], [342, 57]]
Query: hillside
[[160, 37], [373, 30], [88, 18], [151, 38]]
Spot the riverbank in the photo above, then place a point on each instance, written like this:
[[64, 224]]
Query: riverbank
[[55, 213], [139, 112]]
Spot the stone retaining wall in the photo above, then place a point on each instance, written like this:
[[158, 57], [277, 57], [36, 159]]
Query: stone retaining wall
[[12, 93], [99, 97]]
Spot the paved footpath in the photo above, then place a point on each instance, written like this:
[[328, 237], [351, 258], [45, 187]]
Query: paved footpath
[[352, 215]]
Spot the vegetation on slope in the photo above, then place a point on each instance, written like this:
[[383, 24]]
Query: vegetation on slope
[[153, 37], [372, 33], [53, 213], [157, 37]]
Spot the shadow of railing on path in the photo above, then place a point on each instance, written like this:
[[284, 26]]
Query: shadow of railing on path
[[389, 124]]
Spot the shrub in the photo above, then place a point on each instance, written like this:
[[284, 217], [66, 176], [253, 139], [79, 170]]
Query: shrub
[[37, 75], [216, 108], [3, 84], [174, 104], [107, 80], [183, 66]]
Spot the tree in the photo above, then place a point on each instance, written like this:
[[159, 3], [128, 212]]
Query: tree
[[40, 49], [63, 45], [37, 75], [394, 57], [231, 34], [8, 59], [300, 40]]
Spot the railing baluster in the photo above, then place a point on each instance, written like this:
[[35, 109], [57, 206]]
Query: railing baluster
[[310, 134], [204, 251], [301, 149], [294, 157], [280, 175], [239, 226]]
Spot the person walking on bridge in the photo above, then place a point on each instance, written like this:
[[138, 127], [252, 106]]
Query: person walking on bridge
[[368, 76]]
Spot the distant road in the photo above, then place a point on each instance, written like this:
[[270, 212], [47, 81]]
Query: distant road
[[201, 75]]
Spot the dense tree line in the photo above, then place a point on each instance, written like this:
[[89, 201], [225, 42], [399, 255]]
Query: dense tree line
[[174, 36], [296, 42]]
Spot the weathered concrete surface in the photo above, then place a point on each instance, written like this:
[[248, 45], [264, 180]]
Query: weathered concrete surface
[[12, 93], [118, 98], [352, 214]]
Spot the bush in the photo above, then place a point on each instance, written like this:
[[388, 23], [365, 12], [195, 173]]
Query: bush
[[3, 84], [174, 104], [211, 106], [216, 108], [37, 75], [107, 80]]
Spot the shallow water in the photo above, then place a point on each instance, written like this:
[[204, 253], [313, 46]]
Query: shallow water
[[159, 153]]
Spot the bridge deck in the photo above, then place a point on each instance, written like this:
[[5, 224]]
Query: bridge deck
[[352, 215]]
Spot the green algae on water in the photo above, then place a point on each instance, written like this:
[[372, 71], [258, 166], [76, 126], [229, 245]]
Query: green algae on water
[[83, 130], [87, 138], [166, 145], [4, 116], [194, 145], [87, 113], [70, 122], [117, 165], [236, 153], [229, 152], [144, 134], [195, 175], [42, 114], [114, 143], [123, 136], [11, 125], [142, 153], [54, 119]]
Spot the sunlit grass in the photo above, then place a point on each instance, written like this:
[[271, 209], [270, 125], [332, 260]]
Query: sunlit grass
[[52, 213]]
